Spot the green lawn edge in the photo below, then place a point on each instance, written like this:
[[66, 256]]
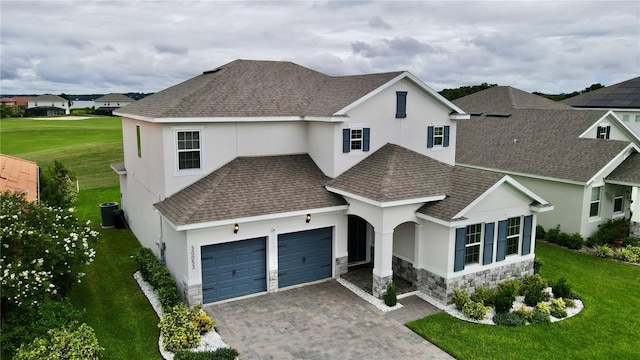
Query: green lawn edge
[[607, 328]]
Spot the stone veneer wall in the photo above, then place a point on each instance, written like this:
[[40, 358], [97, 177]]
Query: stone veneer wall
[[634, 229], [404, 270], [342, 265], [192, 295], [442, 289]]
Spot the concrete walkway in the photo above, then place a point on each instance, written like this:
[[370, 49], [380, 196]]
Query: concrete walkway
[[322, 321]]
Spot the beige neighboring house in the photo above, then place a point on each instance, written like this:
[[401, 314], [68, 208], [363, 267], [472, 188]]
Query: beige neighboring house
[[19, 176], [107, 104], [586, 162], [262, 175]]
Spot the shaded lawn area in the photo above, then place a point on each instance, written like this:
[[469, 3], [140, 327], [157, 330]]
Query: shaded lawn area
[[86, 147], [120, 314], [608, 327]]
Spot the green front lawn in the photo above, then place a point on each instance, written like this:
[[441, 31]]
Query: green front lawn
[[608, 327]]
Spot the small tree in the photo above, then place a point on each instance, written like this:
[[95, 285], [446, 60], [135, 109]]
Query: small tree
[[58, 186], [390, 298]]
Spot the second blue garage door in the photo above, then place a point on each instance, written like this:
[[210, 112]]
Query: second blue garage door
[[233, 269], [304, 256]]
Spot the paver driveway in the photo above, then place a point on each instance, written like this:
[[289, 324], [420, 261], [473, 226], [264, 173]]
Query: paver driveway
[[321, 321]]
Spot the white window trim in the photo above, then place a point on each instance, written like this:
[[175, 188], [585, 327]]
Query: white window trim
[[621, 197], [518, 236], [356, 152], [185, 172], [435, 127], [599, 201], [479, 244]]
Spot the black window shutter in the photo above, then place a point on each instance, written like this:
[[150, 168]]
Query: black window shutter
[[501, 251], [430, 136], [401, 104], [365, 139], [346, 140], [461, 237], [445, 141], [598, 136], [487, 254], [608, 129], [526, 235]]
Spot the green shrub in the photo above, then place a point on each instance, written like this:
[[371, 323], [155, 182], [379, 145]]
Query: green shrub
[[504, 299], [460, 299], [475, 310], [627, 254], [218, 354], [612, 229], [540, 233], [634, 249], [525, 313], [390, 298], [557, 313], [484, 295], [574, 241], [534, 280], [58, 186], [537, 264], [509, 319], [203, 321], [178, 329], [558, 303], [543, 307], [539, 316], [552, 234], [533, 295], [512, 285], [158, 276], [570, 303], [63, 344], [631, 241], [561, 289], [603, 251]]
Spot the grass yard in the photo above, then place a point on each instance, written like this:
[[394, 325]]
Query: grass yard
[[86, 147], [124, 322], [608, 327]]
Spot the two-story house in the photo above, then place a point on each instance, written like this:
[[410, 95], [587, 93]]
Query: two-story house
[[585, 162], [261, 175], [47, 105], [107, 104]]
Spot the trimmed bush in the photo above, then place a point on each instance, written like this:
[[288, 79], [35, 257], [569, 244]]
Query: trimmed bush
[[553, 234], [460, 299], [504, 299], [509, 319], [540, 233], [533, 295], [556, 313], [612, 229], [538, 317], [390, 298], [484, 295], [573, 241], [63, 344], [512, 285], [218, 354], [561, 289], [475, 310], [535, 280], [178, 329], [631, 241], [158, 276]]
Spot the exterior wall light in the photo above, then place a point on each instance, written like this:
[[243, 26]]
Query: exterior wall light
[[308, 219], [236, 227]]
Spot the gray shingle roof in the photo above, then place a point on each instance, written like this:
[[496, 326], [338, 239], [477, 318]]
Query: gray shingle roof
[[466, 186], [504, 99], [395, 173], [248, 88], [48, 97], [542, 142], [115, 97], [624, 95], [251, 186], [628, 171]]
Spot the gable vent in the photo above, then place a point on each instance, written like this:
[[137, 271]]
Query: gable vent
[[503, 115]]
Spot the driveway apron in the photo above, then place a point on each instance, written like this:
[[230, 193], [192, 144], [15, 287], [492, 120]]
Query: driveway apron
[[322, 321]]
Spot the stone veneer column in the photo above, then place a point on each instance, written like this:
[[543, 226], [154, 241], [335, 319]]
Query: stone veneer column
[[342, 265], [192, 295], [273, 281], [382, 263]]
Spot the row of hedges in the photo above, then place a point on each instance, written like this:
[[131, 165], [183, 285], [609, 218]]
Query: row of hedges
[[158, 276], [554, 235]]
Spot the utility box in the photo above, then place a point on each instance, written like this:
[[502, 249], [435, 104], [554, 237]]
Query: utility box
[[106, 214], [118, 219]]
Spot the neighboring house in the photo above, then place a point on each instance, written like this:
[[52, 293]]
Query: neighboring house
[[624, 100], [47, 105], [585, 162], [105, 105], [18, 104], [260, 175], [19, 176]]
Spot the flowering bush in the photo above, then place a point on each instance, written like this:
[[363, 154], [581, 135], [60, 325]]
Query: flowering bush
[[178, 329], [43, 250], [63, 344]]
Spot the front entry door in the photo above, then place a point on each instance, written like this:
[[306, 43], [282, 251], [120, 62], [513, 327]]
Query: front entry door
[[357, 246]]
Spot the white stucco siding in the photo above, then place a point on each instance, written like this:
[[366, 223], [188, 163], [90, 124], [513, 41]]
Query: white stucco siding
[[177, 254], [322, 144], [379, 114], [137, 203], [270, 229], [404, 241], [273, 138], [436, 250], [148, 168], [616, 131], [631, 118], [502, 203]]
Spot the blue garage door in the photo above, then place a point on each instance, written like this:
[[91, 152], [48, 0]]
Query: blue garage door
[[304, 256], [233, 269]]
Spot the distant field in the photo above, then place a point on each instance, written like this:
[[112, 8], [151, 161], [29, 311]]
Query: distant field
[[87, 147]]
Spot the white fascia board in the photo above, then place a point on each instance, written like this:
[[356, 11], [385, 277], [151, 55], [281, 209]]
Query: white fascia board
[[456, 116], [450, 224], [541, 208], [506, 179], [532, 176], [134, 117], [415, 80], [228, 119], [623, 183], [259, 218], [386, 204], [628, 149], [331, 119]]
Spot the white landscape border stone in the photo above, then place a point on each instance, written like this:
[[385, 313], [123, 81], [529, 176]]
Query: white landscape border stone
[[368, 297], [210, 341]]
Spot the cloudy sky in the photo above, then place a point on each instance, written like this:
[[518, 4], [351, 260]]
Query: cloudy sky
[[79, 47]]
